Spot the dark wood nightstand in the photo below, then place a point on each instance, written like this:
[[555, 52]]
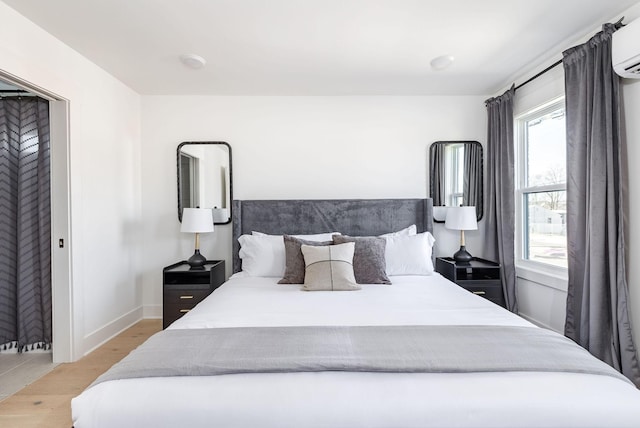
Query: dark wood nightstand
[[183, 288], [479, 276]]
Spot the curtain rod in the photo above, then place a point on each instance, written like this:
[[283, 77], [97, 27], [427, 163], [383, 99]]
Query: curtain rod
[[555, 64], [617, 25]]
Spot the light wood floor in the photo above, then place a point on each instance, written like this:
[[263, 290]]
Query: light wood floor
[[47, 401]]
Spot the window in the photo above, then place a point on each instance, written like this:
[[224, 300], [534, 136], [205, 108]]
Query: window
[[189, 170], [454, 179], [541, 187]]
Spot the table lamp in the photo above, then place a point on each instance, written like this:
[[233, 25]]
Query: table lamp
[[197, 220], [461, 218]]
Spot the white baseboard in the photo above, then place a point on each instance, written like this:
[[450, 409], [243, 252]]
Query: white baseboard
[[538, 323], [109, 331], [152, 311]]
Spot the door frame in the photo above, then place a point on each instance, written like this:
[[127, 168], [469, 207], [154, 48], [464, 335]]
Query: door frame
[[64, 342]]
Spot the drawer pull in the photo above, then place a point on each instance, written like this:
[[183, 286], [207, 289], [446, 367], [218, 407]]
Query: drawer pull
[[184, 311], [480, 293], [186, 297]]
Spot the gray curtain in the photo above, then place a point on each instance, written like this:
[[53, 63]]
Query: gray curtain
[[25, 237], [500, 206], [436, 157], [597, 299], [472, 175]]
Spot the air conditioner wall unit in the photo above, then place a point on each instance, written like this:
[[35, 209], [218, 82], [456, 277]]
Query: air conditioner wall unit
[[626, 50]]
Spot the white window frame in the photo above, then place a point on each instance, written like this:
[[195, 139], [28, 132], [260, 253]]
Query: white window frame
[[521, 190], [453, 182]]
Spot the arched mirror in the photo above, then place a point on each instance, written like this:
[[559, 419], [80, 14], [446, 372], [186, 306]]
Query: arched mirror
[[455, 173], [204, 178]]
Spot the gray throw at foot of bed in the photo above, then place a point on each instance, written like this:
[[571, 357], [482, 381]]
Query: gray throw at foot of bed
[[411, 349]]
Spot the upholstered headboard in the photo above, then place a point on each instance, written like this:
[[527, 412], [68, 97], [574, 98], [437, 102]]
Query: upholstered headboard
[[355, 217]]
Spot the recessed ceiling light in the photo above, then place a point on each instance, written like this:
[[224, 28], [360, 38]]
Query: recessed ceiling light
[[193, 61], [441, 62]]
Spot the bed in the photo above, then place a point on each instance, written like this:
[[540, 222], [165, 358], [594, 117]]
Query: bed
[[254, 309]]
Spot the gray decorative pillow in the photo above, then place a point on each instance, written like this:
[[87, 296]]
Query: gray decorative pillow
[[369, 263], [329, 268], [294, 261]]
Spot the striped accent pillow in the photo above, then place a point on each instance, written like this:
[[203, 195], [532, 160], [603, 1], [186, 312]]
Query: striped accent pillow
[[329, 268]]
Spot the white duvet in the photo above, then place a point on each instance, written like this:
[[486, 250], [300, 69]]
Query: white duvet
[[341, 399]]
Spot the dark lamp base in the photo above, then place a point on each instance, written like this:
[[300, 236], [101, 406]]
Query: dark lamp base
[[197, 261], [462, 255]]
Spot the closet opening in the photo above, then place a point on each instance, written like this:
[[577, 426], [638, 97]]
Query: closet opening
[[35, 276]]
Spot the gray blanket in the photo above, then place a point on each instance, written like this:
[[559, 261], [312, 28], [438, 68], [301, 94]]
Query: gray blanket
[[413, 349]]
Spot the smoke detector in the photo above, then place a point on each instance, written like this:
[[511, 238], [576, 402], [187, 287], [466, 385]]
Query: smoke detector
[[441, 62], [193, 61]]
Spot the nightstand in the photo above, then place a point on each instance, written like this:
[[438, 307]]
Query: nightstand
[[479, 276], [183, 288]]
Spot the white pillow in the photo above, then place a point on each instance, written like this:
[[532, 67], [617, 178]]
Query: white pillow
[[407, 231], [264, 255], [409, 255]]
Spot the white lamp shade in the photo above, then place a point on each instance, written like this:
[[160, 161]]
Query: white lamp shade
[[461, 218], [197, 220]]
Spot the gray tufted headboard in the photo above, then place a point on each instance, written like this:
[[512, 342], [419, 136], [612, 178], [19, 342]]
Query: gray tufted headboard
[[356, 217]]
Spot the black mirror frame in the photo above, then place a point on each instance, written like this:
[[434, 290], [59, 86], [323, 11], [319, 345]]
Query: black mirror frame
[[230, 176], [480, 210]]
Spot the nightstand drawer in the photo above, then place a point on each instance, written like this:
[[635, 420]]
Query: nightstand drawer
[[186, 296], [187, 278], [179, 309], [186, 287], [488, 291]]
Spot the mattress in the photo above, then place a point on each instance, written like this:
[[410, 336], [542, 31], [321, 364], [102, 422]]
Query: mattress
[[363, 399]]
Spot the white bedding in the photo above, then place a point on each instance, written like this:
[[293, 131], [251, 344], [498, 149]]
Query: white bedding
[[340, 399]]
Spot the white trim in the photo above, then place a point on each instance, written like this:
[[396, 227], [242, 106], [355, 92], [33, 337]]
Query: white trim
[[112, 329], [35, 89], [543, 274], [545, 270], [533, 320], [539, 323], [152, 311], [544, 108], [558, 187], [64, 344]]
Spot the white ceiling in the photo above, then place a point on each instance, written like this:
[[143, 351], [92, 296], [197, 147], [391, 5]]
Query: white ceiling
[[318, 47]]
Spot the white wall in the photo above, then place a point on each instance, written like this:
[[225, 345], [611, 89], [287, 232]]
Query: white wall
[[631, 94], [294, 147], [104, 153]]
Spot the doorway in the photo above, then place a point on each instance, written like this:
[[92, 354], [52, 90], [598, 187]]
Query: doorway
[[61, 283]]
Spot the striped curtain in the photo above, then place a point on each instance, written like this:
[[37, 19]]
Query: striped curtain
[[25, 224]]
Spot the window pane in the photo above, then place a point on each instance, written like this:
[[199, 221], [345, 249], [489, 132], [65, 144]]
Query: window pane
[[454, 181], [545, 227], [546, 149]]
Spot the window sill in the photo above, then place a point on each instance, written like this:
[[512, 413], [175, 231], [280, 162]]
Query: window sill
[[556, 278]]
